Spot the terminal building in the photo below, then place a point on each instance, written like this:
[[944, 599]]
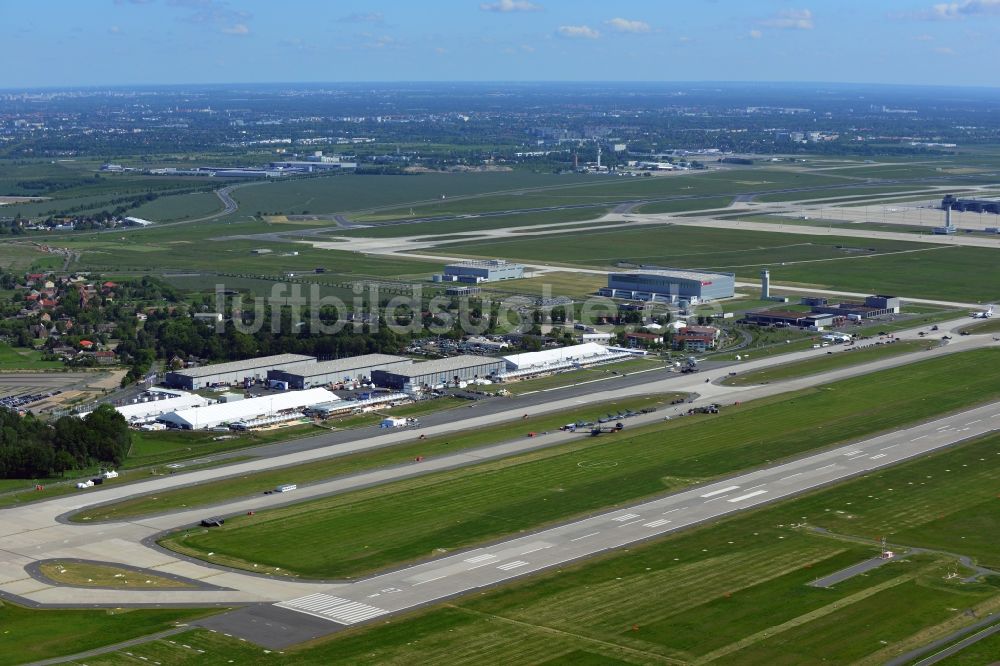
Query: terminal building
[[971, 205], [340, 371], [810, 320], [474, 272], [234, 372], [440, 372], [668, 285]]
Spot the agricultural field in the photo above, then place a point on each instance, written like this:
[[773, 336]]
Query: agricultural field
[[459, 508], [840, 357], [746, 577]]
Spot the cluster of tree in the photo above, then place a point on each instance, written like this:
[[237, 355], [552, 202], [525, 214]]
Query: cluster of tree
[[32, 449]]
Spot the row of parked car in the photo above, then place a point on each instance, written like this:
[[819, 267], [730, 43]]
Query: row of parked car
[[15, 401]]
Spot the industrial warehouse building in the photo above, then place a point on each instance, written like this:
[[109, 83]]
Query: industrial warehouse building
[[874, 306], [490, 270], [234, 372], [667, 285], [249, 413], [344, 370], [563, 358], [439, 372], [815, 321]]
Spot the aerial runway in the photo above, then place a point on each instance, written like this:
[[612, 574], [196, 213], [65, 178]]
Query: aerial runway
[[38, 531]]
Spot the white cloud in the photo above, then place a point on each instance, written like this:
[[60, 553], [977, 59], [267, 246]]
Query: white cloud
[[756, 34], [626, 25], [237, 29], [578, 31], [115, 30], [790, 19], [944, 50], [510, 6], [949, 10], [366, 17], [923, 38]]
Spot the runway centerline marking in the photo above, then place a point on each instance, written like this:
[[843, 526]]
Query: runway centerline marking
[[720, 491], [748, 496], [888, 447], [820, 469], [672, 510], [585, 536]]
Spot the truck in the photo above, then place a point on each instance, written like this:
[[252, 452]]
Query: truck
[[285, 488]]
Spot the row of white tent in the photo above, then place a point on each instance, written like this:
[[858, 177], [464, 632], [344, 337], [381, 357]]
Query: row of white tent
[[588, 353]]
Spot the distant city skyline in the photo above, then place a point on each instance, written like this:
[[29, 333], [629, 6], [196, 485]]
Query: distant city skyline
[[67, 43]]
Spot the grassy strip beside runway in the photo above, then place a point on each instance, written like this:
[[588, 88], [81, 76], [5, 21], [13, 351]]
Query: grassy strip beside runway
[[28, 635], [222, 490], [840, 357], [426, 516], [730, 592]]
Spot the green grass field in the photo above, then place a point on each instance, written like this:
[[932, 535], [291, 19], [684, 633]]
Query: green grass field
[[982, 327], [734, 591], [841, 357], [15, 358], [251, 484], [462, 507], [30, 635], [865, 265]]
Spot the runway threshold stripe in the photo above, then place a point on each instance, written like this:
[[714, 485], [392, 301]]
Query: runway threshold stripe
[[657, 523], [627, 516], [720, 491]]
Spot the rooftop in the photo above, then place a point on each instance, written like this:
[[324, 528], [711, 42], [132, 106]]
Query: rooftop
[[445, 365], [341, 364], [247, 364]]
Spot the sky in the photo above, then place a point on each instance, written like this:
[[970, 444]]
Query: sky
[[67, 43]]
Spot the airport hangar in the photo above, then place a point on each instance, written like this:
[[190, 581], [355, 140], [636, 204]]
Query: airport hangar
[[233, 372], [343, 370], [670, 285], [438, 372]]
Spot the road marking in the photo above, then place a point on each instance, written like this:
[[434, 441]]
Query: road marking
[[820, 469], [995, 416], [916, 438], [585, 536], [748, 496], [720, 491], [627, 516], [851, 453], [429, 580], [971, 422], [336, 609], [672, 510], [881, 455], [856, 457], [480, 558], [888, 447], [633, 522], [945, 427], [790, 476], [513, 565], [657, 523], [535, 550]]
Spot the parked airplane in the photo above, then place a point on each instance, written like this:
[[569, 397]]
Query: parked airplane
[[985, 314]]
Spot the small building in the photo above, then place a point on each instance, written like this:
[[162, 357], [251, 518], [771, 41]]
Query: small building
[[462, 291], [813, 321], [476, 271], [640, 339], [234, 372], [696, 338], [440, 372], [668, 285], [210, 318], [873, 306], [343, 370]]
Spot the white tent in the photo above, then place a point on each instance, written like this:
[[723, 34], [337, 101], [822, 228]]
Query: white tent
[[555, 357], [249, 410]]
